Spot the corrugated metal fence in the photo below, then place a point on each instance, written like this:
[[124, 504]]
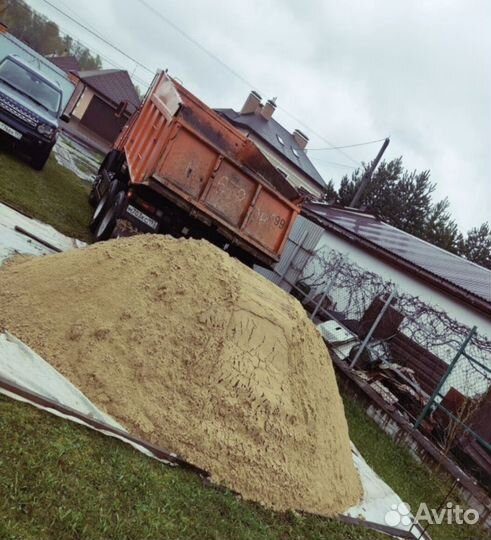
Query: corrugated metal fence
[[300, 246]]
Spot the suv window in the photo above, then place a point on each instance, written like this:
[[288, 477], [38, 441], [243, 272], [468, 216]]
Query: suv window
[[28, 83]]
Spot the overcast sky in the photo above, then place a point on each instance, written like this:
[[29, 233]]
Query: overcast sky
[[352, 71]]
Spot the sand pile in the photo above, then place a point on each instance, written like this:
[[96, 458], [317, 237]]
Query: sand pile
[[195, 352]]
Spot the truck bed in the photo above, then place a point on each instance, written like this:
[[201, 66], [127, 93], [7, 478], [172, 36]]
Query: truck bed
[[183, 150]]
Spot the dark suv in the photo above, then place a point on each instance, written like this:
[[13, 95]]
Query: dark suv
[[30, 108]]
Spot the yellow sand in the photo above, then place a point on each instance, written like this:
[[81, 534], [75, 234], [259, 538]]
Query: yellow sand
[[195, 352]]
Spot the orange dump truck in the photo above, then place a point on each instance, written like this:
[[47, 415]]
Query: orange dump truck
[[179, 168]]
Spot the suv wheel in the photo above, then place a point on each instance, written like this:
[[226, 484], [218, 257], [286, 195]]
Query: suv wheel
[[39, 159]]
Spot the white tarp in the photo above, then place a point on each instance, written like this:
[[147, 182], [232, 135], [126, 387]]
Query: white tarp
[[13, 242], [22, 366], [378, 498]]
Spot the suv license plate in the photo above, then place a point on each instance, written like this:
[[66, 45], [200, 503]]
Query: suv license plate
[[10, 131], [148, 221]]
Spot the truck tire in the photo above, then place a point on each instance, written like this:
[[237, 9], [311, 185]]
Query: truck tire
[[104, 203], [95, 192], [39, 159], [111, 162], [111, 214], [93, 195]]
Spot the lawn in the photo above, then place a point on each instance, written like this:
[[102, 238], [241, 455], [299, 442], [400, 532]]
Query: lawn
[[54, 195], [62, 481], [414, 482]]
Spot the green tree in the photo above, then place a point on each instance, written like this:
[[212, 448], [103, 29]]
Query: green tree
[[52, 42], [404, 199], [330, 193], [476, 246], [42, 34], [67, 43], [440, 229]]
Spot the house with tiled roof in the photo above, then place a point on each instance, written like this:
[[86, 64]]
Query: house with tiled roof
[[102, 103], [285, 150]]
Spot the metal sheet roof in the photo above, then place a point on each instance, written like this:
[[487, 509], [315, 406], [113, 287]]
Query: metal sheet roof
[[113, 84], [66, 63], [441, 264]]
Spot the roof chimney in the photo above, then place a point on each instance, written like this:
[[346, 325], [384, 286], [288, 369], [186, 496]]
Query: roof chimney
[[300, 138], [268, 109], [252, 103]]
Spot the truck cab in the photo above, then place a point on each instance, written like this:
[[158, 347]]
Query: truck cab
[[30, 110]]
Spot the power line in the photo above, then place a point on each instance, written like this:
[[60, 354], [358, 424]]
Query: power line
[[111, 62], [235, 73], [331, 145], [347, 146], [207, 52], [87, 29], [335, 164], [198, 44], [105, 58], [90, 48]]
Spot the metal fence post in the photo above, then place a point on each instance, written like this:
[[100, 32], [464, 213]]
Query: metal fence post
[[436, 392], [325, 292], [368, 337]]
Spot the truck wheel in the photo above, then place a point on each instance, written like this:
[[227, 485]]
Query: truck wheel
[[108, 221], [104, 203], [39, 159], [110, 161], [93, 195]]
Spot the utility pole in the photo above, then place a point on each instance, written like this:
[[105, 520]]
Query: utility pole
[[368, 175]]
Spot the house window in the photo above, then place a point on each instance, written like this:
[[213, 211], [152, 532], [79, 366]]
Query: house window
[[295, 152], [280, 140]]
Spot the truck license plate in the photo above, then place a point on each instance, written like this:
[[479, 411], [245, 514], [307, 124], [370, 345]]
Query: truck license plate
[[10, 131], [142, 217]]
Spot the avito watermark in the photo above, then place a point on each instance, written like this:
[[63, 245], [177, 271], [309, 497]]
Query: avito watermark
[[400, 514]]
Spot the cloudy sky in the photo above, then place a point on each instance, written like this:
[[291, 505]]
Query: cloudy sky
[[350, 71]]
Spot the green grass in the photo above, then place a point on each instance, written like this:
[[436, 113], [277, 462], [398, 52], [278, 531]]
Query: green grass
[[414, 482], [54, 195], [62, 481]]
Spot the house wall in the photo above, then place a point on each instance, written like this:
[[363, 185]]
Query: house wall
[[83, 102], [72, 103], [465, 377], [292, 175], [86, 136], [406, 283], [100, 118]]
